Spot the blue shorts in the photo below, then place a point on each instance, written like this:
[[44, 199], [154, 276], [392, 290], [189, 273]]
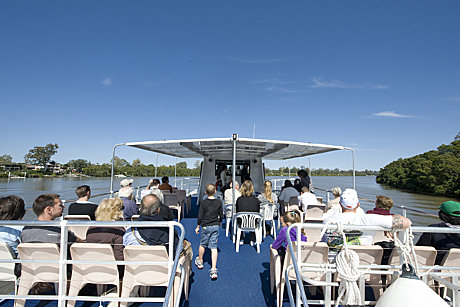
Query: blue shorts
[[209, 236]]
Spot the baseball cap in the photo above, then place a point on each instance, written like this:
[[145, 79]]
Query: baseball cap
[[126, 182], [451, 208], [349, 199]]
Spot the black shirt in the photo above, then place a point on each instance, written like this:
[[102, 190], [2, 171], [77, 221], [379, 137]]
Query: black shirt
[[247, 204], [210, 212], [83, 209], [443, 242]]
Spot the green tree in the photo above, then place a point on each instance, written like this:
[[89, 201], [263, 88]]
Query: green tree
[[78, 164], [6, 159], [41, 155], [136, 162], [181, 164]]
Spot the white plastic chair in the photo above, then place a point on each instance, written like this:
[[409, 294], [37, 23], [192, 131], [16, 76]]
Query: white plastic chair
[[250, 222], [311, 252], [7, 269], [34, 272], [370, 255], [92, 273], [451, 259], [268, 211], [171, 201], [228, 213], [147, 275], [79, 231]]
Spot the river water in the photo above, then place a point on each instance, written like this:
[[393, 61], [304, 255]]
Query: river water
[[366, 186]]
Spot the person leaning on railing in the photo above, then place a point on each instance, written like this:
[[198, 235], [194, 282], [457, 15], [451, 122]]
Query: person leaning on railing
[[443, 242], [350, 205]]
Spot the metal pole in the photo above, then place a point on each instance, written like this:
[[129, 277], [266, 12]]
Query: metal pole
[[175, 169], [309, 166], [234, 137], [111, 173], [156, 164]]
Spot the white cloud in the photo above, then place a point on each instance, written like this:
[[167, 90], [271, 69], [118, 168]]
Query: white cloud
[[280, 89], [107, 82], [256, 61], [391, 114], [319, 83]]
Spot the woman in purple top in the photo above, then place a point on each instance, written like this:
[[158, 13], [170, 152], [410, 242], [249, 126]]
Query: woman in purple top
[[280, 244]]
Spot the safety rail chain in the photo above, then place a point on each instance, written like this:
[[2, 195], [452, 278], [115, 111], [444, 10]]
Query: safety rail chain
[[62, 288], [330, 268]]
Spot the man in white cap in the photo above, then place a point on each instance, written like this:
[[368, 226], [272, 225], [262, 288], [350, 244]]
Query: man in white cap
[[126, 183], [350, 205]]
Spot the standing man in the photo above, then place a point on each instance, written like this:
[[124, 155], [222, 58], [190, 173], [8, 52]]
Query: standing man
[[82, 206]]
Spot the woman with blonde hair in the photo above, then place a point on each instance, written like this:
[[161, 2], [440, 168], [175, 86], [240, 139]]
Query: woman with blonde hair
[[247, 202], [109, 209], [268, 196]]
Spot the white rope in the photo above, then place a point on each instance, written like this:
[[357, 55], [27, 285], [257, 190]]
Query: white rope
[[347, 262], [406, 249]]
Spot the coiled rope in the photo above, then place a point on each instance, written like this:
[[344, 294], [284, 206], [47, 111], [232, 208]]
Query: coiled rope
[[347, 262]]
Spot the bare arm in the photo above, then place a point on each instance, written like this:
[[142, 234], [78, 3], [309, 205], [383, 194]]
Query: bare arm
[[400, 222]]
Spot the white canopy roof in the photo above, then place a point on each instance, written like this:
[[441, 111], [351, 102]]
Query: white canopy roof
[[221, 148]]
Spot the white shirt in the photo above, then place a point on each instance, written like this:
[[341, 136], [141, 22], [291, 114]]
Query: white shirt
[[353, 218], [307, 199], [228, 196], [287, 193], [154, 191]]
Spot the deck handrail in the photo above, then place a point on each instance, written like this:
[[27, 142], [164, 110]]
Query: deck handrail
[[300, 293], [63, 261]]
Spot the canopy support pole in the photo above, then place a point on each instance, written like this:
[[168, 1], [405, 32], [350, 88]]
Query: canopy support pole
[[234, 138], [111, 173]]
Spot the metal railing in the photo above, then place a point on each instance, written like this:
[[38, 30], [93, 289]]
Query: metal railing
[[61, 297], [301, 296]]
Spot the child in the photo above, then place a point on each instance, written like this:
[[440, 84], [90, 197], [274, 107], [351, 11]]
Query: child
[[280, 244], [210, 216]]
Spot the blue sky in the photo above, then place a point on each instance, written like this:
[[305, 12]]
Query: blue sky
[[382, 77]]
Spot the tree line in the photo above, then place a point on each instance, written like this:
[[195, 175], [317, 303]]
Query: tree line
[[435, 172]]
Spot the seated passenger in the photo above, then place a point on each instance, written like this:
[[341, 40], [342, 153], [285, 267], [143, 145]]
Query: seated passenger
[[11, 208], [383, 205], [150, 211], [165, 186], [82, 206], [287, 192], [443, 242], [336, 192], [307, 199], [47, 207], [280, 244], [247, 202], [228, 194], [153, 188], [109, 210], [337, 207], [350, 203], [130, 206], [268, 196]]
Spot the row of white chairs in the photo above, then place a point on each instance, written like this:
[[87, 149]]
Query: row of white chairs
[[317, 253], [95, 273]]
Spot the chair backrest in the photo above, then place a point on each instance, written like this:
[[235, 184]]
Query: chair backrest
[[380, 236], [228, 210], [6, 269], [249, 220], [368, 254], [313, 234], [181, 195], [426, 255], [95, 273], [315, 211], [135, 217], [311, 252], [174, 189], [147, 274], [269, 209], [165, 192], [452, 258], [219, 195], [293, 200], [40, 251], [79, 231], [170, 199]]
